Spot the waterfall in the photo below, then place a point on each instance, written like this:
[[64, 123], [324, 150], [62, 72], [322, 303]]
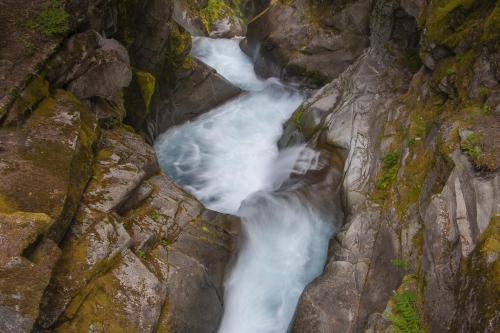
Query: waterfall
[[228, 158]]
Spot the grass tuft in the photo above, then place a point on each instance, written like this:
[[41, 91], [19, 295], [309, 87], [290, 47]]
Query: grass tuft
[[52, 19]]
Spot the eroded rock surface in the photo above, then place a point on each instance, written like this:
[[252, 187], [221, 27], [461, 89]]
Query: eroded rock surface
[[309, 41], [93, 236], [421, 207]]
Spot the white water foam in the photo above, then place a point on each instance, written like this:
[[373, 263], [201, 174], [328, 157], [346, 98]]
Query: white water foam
[[228, 158]]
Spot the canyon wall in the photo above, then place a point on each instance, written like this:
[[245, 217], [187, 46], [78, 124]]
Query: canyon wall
[[95, 238]]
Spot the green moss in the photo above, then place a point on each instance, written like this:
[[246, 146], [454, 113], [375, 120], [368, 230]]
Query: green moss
[[218, 9], [166, 242], [140, 254], [489, 247], [450, 22], [491, 32], [52, 19], [147, 83], [481, 271], [155, 215], [6, 205], [35, 91], [390, 164], [401, 263], [177, 55], [297, 116], [471, 146], [414, 173]]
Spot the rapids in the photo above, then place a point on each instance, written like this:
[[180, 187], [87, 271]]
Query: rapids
[[228, 158]]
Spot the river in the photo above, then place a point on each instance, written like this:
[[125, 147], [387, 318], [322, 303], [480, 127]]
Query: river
[[228, 158]]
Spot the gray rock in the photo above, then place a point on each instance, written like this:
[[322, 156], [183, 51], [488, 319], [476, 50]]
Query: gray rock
[[359, 276], [227, 28], [202, 90], [124, 161], [187, 20], [311, 52]]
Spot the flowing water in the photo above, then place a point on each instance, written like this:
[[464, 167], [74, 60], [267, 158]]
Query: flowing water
[[228, 158]]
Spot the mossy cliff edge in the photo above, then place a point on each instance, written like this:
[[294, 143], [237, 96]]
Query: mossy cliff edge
[[94, 237], [416, 117]]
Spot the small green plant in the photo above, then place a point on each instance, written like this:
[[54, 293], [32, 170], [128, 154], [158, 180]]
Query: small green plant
[[140, 254], [155, 216], [450, 71], [389, 170], [483, 91], [217, 9], [404, 317], [485, 109], [401, 263], [52, 19], [413, 141], [165, 242], [471, 146]]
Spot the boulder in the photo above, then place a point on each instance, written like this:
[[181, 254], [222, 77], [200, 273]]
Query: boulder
[[227, 28], [45, 165], [26, 264], [307, 42], [23, 50], [347, 115], [124, 270], [200, 92]]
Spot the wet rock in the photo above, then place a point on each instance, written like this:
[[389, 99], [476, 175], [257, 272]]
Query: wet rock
[[201, 253], [109, 74], [479, 285], [93, 243], [252, 8], [201, 91], [91, 66], [184, 17], [344, 296], [227, 28], [315, 47]]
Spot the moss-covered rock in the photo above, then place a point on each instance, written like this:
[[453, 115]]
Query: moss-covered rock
[[26, 262], [339, 30], [27, 101], [480, 284], [46, 163], [147, 82]]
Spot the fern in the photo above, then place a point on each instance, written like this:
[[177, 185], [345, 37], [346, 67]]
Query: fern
[[404, 318]]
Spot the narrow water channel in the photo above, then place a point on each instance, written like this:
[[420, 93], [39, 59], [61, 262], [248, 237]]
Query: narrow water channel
[[229, 159]]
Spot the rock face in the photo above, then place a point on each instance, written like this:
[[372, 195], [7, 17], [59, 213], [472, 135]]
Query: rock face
[[308, 41], [217, 19], [201, 90], [420, 188], [122, 270], [160, 101], [93, 237]]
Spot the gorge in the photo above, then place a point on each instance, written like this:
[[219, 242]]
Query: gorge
[[228, 158], [249, 166]]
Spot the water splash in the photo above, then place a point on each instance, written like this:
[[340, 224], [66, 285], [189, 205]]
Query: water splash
[[284, 249], [228, 158]]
